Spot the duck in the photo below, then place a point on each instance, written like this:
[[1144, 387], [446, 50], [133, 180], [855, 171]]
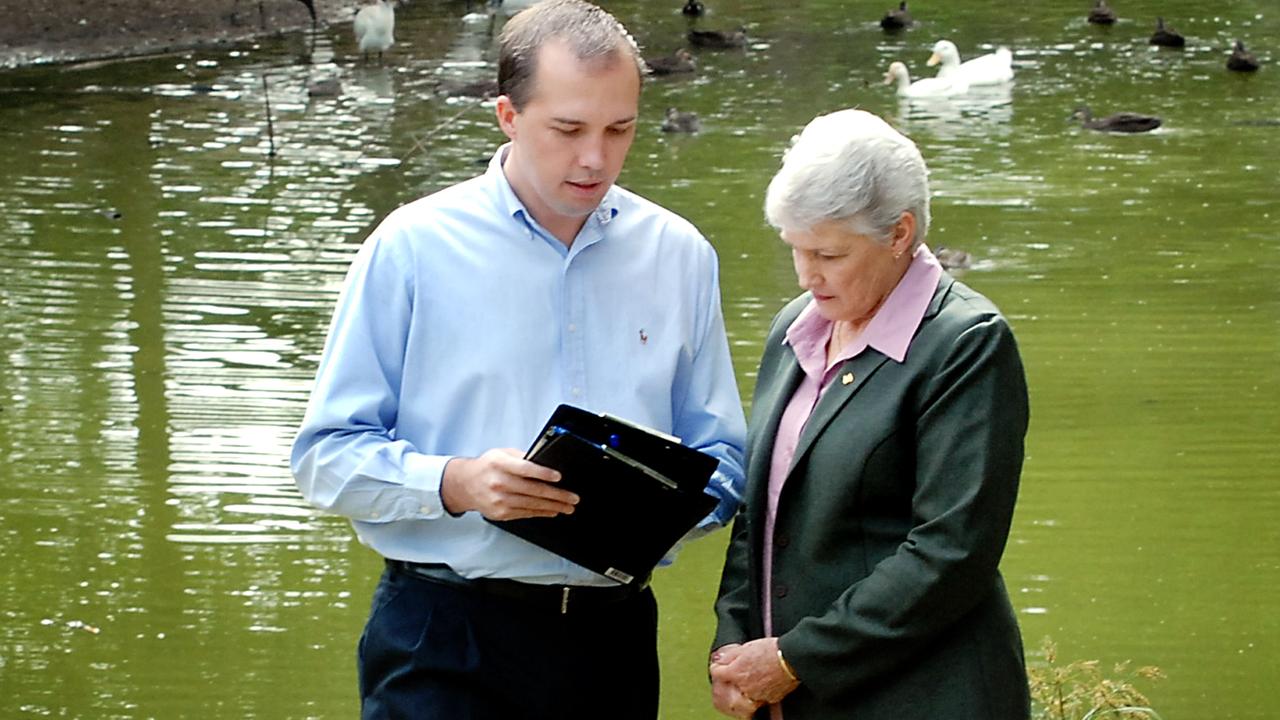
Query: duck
[[896, 19], [1167, 36], [680, 62], [927, 87], [1123, 122], [1242, 60], [324, 87], [681, 122], [990, 69], [718, 39], [482, 89], [693, 8], [374, 27], [952, 259], [1101, 14]]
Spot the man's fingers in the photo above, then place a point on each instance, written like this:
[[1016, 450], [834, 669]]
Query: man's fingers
[[514, 463], [513, 497]]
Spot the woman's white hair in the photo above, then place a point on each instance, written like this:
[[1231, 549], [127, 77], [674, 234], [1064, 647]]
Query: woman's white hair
[[852, 167]]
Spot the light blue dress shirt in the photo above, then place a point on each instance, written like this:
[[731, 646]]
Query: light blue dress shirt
[[463, 324]]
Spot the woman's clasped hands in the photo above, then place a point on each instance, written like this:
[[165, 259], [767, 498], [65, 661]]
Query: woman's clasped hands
[[746, 676]]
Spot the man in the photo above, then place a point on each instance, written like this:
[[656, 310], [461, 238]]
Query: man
[[467, 317]]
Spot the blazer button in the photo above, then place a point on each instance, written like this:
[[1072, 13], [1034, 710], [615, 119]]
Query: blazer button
[[782, 540], [780, 590]]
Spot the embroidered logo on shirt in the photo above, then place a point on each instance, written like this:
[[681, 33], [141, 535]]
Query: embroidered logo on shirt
[[644, 338]]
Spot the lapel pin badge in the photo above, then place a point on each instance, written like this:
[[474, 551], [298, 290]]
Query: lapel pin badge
[[847, 379]]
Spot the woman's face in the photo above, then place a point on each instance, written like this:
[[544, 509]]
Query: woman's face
[[848, 273]]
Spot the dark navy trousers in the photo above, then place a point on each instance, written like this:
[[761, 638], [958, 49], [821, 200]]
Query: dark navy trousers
[[432, 650]]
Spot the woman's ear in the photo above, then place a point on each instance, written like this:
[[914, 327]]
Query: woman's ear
[[904, 231]]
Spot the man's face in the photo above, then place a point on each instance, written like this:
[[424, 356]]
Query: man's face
[[572, 137]]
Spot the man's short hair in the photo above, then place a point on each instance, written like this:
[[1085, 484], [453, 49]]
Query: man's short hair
[[592, 34]]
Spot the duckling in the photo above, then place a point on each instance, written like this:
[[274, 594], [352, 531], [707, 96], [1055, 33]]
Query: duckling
[[1242, 60], [1167, 36], [693, 8], [1124, 122], [681, 122], [718, 39], [1101, 14], [896, 19], [374, 25], [681, 62], [951, 259], [928, 87]]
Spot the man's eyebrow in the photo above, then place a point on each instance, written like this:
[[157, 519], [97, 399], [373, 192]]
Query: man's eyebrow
[[571, 121]]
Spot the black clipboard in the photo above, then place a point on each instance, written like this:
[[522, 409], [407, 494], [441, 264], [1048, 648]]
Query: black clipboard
[[639, 492]]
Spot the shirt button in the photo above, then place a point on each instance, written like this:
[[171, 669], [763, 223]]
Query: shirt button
[[573, 328], [780, 590], [782, 540], [577, 392]]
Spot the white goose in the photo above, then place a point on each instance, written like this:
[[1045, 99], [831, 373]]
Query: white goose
[[926, 87], [992, 69], [374, 26]]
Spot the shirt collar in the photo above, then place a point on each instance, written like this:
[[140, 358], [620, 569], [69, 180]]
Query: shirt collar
[[511, 206], [889, 331]]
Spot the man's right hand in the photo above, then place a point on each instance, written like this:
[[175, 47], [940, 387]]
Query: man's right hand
[[502, 485]]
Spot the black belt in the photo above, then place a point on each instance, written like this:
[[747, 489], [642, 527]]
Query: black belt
[[553, 597]]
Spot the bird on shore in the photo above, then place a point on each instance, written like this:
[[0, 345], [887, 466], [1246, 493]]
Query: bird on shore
[[718, 39], [374, 26], [1167, 36], [1123, 122], [680, 62], [924, 88], [1101, 14], [693, 8], [990, 69], [681, 122], [1242, 60], [262, 13], [896, 19]]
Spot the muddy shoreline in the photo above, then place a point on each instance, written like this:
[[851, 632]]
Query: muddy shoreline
[[67, 31]]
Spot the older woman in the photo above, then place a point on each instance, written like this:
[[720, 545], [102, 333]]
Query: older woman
[[884, 452]]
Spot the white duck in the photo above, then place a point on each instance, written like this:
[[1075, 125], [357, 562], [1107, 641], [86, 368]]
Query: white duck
[[374, 25], [992, 69], [926, 87]]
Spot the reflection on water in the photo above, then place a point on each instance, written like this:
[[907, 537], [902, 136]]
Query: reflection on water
[[165, 285]]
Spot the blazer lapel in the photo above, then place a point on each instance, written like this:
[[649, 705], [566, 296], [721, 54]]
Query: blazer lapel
[[851, 376], [776, 392], [857, 370]]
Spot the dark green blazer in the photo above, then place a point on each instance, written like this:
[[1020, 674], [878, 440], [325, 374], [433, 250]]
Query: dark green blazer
[[886, 595]]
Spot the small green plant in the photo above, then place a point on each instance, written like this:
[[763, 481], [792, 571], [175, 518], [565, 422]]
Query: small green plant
[[1079, 691]]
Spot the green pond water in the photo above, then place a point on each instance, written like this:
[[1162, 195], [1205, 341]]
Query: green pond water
[[165, 288]]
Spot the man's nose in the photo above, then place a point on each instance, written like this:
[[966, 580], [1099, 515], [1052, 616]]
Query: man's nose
[[591, 153]]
